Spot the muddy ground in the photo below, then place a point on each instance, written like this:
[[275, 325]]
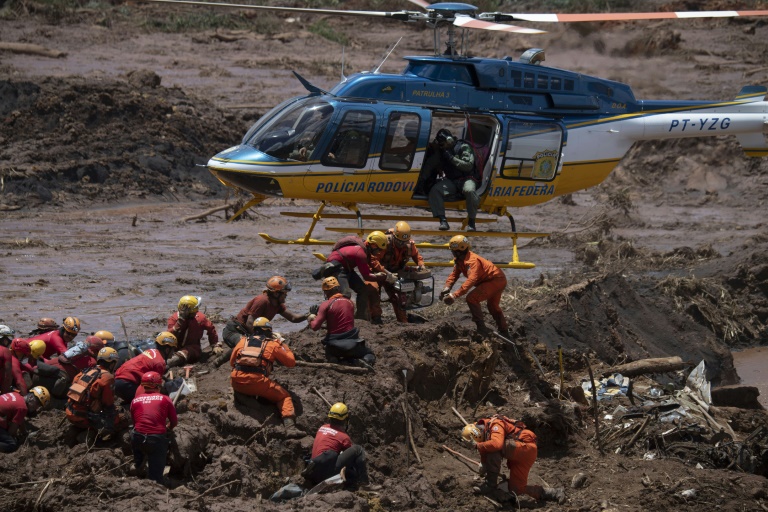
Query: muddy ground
[[99, 155]]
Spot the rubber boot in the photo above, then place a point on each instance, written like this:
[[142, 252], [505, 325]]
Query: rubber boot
[[291, 431], [444, 224], [553, 494], [471, 225], [482, 328], [176, 359], [489, 485], [223, 357], [377, 320]]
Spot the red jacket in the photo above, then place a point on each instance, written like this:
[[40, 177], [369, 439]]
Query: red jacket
[[190, 331], [54, 343], [351, 257], [259, 306], [329, 438], [338, 311], [76, 364], [6, 369], [151, 411], [148, 361], [18, 370], [476, 269], [13, 409]]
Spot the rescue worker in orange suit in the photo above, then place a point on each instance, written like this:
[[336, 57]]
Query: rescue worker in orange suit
[[271, 302], [189, 324], [128, 376], [338, 313], [91, 397], [351, 253], [56, 341], [487, 279], [44, 325], [252, 361], [57, 373], [499, 438], [14, 407], [400, 249], [333, 452], [154, 415], [25, 355]]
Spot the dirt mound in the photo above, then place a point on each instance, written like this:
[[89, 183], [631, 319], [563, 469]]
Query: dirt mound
[[66, 140]]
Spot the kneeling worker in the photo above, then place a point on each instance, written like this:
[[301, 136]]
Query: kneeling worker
[[13, 409], [333, 451], [338, 313], [91, 397], [252, 361]]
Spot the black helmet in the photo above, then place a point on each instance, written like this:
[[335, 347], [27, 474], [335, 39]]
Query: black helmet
[[444, 136]]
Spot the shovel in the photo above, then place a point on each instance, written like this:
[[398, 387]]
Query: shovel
[[191, 382], [329, 483]]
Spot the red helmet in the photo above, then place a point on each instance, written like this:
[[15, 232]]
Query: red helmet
[[94, 344], [151, 380], [21, 345]]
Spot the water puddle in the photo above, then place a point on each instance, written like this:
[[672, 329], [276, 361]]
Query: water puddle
[[752, 366]]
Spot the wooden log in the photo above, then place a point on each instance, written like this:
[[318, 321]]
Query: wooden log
[[457, 413], [206, 213], [336, 367], [462, 456], [31, 49], [655, 365]]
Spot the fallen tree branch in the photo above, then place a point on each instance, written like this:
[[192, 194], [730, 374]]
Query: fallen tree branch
[[31, 49], [314, 390], [460, 455], [596, 413], [207, 213], [459, 415], [655, 365], [410, 434], [637, 434], [332, 366]]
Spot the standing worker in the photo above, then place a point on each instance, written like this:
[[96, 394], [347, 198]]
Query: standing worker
[[91, 397], [487, 279], [14, 407], [128, 376], [271, 302], [342, 340], [252, 361], [499, 438], [333, 452], [351, 253], [188, 324], [153, 417], [400, 250]]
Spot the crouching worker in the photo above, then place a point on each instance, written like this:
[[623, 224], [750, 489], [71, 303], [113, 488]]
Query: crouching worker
[[128, 376], [338, 313], [333, 452], [499, 438], [153, 417], [252, 361], [91, 397], [13, 409]]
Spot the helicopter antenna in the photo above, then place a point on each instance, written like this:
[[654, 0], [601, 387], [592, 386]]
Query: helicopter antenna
[[387, 56], [343, 78]]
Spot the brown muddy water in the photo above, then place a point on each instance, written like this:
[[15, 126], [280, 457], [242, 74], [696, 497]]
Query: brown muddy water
[[752, 366]]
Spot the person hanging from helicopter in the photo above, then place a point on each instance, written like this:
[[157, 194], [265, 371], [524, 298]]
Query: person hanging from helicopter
[[350, 253], [400, 249], [337, 312], [271, 302], [487, 279], [449, 171]]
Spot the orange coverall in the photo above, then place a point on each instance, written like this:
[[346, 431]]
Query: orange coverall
[[256, 382], [489, 282], [394, 259], [516, 444], [101, 395]]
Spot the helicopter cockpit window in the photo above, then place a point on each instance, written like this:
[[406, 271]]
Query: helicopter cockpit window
[[351, 142], [533, 150], [294, 133], [443, 72], [401, 142]]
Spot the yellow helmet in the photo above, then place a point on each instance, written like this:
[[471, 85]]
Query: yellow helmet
[[377, 239], [263, 324], [105, 335], [402, 231], [71, 324], [107, 354], [472, 432], [329, 283], [459, 243], [190, 303], [36, 348], [339, 411], [166, 339], [42, 394]]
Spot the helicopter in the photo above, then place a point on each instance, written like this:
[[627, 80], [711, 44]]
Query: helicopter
[[537, 132]]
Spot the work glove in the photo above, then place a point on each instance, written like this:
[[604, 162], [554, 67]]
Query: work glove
[[449, 299], [445, 292], [311, 317], [313, 309], [183, 314], [379, 276], [218, 349], [391, 278]]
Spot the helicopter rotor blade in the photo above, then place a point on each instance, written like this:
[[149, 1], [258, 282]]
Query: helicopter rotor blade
[[398, 15], [615, 16], [469, 22], [420, 3]]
